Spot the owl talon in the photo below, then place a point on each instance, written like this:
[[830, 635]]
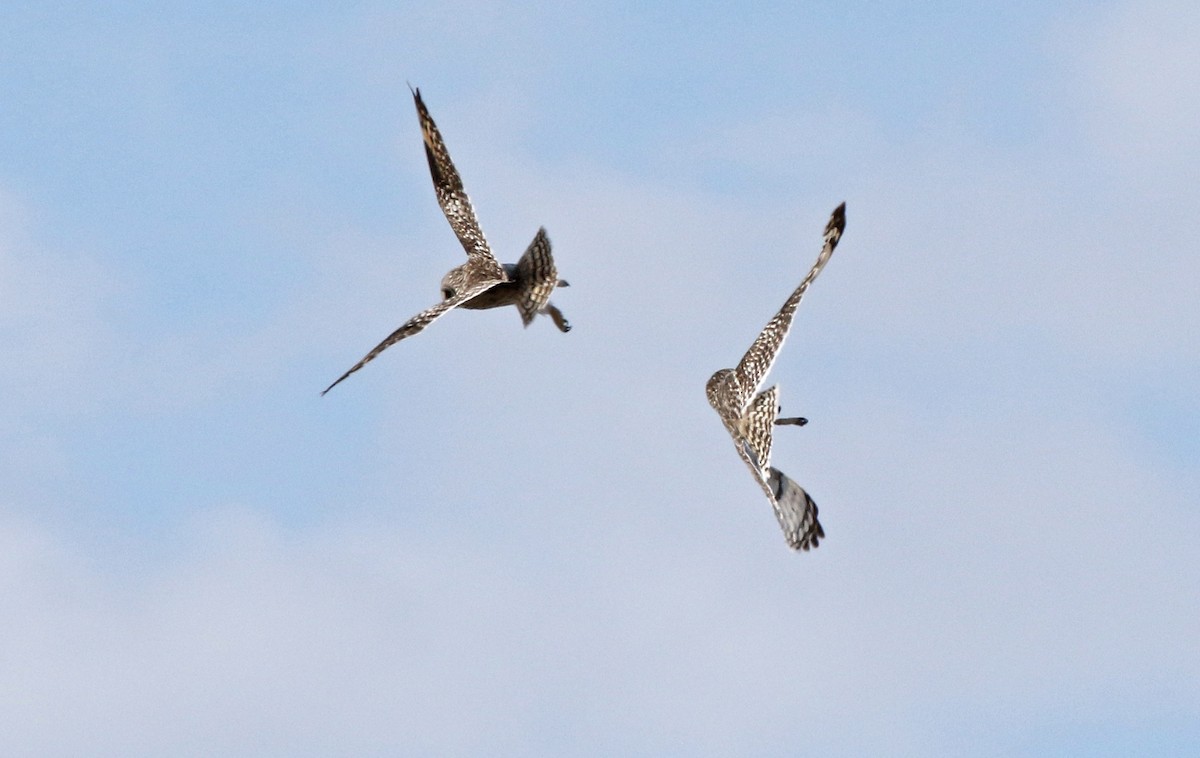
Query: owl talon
[[556, 315]]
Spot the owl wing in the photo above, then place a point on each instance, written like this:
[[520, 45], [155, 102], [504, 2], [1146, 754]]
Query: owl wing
[[451, 196], [756, 427], [761, 356], [417, 324], [795, 510]]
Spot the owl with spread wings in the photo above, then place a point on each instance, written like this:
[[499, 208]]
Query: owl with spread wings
[[750, 416], [481, 282]]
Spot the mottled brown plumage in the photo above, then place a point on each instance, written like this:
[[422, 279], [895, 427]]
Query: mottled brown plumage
[[750, 417], [481, 282]]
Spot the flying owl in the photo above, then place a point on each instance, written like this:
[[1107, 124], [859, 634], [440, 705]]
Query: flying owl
[[481, 282], [750, 418]]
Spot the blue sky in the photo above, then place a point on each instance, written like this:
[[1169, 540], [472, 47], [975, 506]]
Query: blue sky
[[518, 542]]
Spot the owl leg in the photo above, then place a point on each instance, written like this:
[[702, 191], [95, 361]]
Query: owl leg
[[559, 320]]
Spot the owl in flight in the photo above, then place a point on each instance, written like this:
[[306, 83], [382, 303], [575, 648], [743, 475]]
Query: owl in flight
[[750, 415], [481, 282]]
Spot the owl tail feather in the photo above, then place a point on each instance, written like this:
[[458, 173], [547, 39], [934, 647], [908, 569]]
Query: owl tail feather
[[538, 278]]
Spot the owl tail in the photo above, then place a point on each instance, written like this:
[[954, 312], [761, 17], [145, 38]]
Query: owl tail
[[538, 278], [796, 511]]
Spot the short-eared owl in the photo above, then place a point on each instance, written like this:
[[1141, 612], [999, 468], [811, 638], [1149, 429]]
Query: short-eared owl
[[481, 282], [750, 418]]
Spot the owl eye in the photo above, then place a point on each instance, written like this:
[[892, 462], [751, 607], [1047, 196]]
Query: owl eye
[[447, 292]]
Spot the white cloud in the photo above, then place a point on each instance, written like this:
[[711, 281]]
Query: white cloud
[[982, 563]]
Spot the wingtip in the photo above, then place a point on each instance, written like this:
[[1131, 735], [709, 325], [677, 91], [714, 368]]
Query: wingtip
[[339, 381], [838, 219], [800, 520], [420, 103]]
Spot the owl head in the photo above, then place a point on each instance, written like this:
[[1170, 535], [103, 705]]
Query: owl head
[[716, 385], [454, 282]]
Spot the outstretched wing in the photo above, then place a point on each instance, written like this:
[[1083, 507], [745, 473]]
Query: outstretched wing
[[761, 356], [796, 511], [538, 277], [451, 195], [414, 325]]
